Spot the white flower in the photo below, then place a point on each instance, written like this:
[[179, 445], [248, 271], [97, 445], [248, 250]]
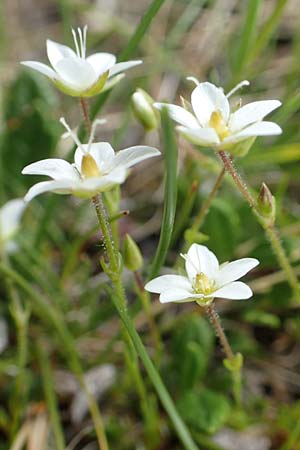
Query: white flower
[[96, 168], [78, 75], [10, 217], [210, 122], [205, 280]]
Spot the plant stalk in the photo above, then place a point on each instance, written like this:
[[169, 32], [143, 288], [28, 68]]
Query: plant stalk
[[119, 300], [236, 374], [270, 229]]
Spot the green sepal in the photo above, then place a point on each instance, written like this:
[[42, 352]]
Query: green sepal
[[235, 364]]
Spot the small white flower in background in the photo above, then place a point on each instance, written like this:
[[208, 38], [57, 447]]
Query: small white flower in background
[[205, 279], [210, 122], [10, 217], [76, 74], [97, 168]]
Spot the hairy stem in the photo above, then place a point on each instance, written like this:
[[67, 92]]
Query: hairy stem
[[231, 358], [270, 229], [120, 303], [85, 112], [214, 318]]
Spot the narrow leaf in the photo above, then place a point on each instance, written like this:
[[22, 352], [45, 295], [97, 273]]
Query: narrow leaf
[[170, 153]]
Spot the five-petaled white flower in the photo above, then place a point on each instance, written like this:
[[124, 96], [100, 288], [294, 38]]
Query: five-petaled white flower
[[78, 75], [205, 280], [96, 168], [210, 123], [10, 217]]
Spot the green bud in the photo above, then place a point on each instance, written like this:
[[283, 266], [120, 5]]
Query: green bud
[[132, 256], [142, 105], [235, 364], [266, 203]]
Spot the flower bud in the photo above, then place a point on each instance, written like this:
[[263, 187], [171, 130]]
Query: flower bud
[[266, 203], [132, 256], [142, 105]]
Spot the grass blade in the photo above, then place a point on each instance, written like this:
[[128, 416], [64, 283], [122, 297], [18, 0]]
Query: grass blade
[[141, 29], [170, 153], [180, 427], [247, 36], [130, 49], [267, 31]]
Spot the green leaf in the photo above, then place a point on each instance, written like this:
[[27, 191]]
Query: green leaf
[[191, 349], [31, 133], [225, 213], [170, 153], [261, 318], [207, 411]]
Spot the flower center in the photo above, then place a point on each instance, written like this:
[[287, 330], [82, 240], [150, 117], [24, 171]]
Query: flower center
[[89, 167], [217, 122], [203, 285]]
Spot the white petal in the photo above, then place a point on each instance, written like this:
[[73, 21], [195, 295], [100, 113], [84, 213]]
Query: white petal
[[200, 259], [250, 113], [55, 168], [179, 114], [120, 67], [178, 295], [234, 291], [200, 136], [56, 52], [234, 270], [101, 62], [207, 98], [60, 187], [10, 215], [257, 129], [40, 67], [76, 73], [168, 282], [102, 152], [102, 183], [133, 155]]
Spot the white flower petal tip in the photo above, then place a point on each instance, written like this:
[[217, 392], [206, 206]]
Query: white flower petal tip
[[76, 74], [10, 217], [96, 168], [205, 279], [208, 122]]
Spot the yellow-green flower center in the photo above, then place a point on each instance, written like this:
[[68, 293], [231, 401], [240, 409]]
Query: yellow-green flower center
[[203, 285], [89, 167], [217, 122]]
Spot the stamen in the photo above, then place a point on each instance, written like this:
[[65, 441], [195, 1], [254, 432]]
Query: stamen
[[81, 41], [194, 79], [84, 38], [75, 42], [186, 258], [93, 130], [237, 87], [72, 134]]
